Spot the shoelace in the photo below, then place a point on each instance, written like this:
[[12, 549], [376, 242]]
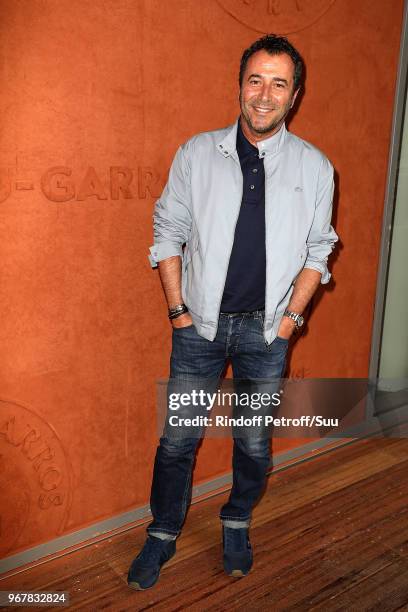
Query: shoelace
[[152, 550]]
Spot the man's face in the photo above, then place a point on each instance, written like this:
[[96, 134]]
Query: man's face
[[267, 93]]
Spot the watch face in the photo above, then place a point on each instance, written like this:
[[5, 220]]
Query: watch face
[[300, 321]]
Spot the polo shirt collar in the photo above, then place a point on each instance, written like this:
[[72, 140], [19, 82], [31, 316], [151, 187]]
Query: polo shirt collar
[[244, 147], [269, 146]]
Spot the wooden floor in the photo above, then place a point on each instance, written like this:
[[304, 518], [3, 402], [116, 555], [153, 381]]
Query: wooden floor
[[329, 534]]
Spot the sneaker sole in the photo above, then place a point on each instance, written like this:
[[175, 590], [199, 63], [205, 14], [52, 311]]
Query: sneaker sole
[[237, 574], [136, 586]]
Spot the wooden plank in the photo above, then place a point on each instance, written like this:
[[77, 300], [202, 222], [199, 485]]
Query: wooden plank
[[329, 534]]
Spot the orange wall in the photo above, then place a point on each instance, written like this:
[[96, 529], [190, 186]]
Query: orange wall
[[96, 97]]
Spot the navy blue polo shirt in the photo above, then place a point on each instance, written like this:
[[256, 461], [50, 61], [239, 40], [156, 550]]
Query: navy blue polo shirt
[[244, 289]]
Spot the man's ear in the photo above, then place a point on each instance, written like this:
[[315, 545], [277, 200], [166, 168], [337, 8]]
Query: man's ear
[[294, 97]]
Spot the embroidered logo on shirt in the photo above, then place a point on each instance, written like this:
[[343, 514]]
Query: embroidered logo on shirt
[[298, 188]]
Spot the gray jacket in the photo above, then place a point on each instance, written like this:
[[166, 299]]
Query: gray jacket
[[199, 208]]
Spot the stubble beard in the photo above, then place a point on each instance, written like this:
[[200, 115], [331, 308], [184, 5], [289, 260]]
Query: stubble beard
[[270, 127], [265, 129]]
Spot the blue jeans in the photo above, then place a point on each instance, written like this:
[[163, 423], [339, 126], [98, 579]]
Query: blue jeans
[[239, 339]]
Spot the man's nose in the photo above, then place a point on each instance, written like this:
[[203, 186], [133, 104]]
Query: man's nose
[[266, 92]]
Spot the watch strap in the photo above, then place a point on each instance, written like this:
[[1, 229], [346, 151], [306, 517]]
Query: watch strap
[[295, 316]]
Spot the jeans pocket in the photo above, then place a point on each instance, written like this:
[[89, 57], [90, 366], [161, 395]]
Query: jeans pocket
[[283, 340], [278, 345]]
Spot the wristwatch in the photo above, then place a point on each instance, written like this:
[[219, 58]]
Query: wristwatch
[[297, 318]]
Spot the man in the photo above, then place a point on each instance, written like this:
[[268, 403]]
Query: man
[[251, 204]]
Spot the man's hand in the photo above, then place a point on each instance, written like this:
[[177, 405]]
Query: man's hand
[[183, 320], [306, 284], [286, 328]]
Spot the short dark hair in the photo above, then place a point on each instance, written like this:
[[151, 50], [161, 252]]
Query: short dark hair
[[274, 45]]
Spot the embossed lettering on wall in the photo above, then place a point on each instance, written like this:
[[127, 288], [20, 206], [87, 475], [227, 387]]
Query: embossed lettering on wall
[[35, 471], [279, 16], [63, 184]]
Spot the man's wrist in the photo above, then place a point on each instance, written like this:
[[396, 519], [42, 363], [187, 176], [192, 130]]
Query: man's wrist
[[295, 317], [183, 320], [177, 310]]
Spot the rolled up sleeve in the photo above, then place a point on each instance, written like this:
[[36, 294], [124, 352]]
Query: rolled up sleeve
[[172, 213], [322, 237]]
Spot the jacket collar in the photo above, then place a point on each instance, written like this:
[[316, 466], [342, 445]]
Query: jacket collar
[[228, 145]]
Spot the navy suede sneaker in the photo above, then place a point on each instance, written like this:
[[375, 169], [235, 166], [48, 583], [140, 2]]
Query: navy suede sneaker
[[145, 568], [237, 551]]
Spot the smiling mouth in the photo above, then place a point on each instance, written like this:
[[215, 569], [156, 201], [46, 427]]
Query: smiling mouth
[[260, 109]]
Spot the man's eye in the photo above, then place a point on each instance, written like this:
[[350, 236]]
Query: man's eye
[[254, 82]]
